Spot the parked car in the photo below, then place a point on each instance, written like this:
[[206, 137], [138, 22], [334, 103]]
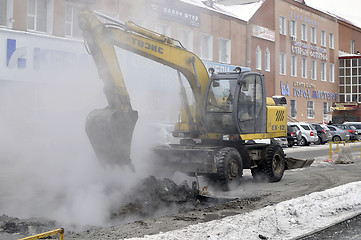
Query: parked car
[[338, 134], [323, 133], [351, 130], [293, 136], [309, 134], [357, 125]]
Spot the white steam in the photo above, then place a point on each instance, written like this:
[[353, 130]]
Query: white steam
[[47, 166]]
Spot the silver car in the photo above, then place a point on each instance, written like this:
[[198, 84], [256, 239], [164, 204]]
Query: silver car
[[338, 134], [308, 132]]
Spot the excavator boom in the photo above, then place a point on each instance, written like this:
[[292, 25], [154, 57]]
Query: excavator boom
[[110, 130]]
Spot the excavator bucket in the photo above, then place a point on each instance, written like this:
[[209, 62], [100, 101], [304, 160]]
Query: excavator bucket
[[293, 163], [110, 132]]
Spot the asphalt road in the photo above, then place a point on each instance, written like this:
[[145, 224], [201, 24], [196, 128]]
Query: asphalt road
[[249, 195]]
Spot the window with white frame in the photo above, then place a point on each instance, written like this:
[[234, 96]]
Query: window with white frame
[[71, 20], [186, 38], [303, 32], [40, 15], [283, 63], [293, 28], [332, 72], [313, 70], [325, 108], [267, 60], [206, 46], [293, 66], [224, 50], [163, 29], [310, 109], [282, 25], [323, 38], [331, 41], [352, 50], [293, 108], [3, 12], [304, 68], [258, 58], [323, 71], [313, 35]]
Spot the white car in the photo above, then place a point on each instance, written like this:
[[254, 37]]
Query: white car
[[308, 132]]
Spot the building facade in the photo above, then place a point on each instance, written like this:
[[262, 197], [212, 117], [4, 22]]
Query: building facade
[[295, 46]]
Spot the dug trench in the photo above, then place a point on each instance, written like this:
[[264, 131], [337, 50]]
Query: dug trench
[[151, 198]]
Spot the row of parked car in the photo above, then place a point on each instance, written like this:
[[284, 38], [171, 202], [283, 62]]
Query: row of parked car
[[303, 134]]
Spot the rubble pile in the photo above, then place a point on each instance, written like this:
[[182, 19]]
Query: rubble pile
[[153, 195]]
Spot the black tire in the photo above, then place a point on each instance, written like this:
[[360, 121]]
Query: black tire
[[271, 168], [336, 139], [229, 167], [291, 143], [319, 141], [303, 142]]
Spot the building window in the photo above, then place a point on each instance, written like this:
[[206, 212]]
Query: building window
[[4, 10], [293, 66], [293, 28], [267, 62], [282, 25], [206, 46], [40, 15], [332, 72], [352, 50], [323, 71], [224, 50], [71, 20], [304, 67], [313, 35], [258, 58], [163, 29], [332, 41], [310, 110], [303, 32], [186, 38], [282, 63], [323, 38], [325, 108], [293, 108], [313, 70]]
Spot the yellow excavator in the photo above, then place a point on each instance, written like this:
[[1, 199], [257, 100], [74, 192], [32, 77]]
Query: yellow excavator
[[217, 132]]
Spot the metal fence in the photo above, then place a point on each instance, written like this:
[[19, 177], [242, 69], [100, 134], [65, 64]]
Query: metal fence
[[59, 231]]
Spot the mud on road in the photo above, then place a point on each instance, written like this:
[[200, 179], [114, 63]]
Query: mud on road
[[246, 197]]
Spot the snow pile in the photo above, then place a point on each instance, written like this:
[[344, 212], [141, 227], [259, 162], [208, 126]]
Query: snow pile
[[285, 220]]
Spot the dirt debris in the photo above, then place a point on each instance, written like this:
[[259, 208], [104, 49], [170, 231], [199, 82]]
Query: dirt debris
[[152, 195]]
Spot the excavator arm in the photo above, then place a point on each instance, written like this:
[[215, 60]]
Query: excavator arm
[[110, 130]]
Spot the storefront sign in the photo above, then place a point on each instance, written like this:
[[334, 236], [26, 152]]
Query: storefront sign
[[33, 57], [306, 49], [307, 90], [263, 32], [176, 11], [345, 106]]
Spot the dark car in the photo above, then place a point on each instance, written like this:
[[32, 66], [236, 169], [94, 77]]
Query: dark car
[[323, 133], [338, 134], [351, 130], [293, 135]]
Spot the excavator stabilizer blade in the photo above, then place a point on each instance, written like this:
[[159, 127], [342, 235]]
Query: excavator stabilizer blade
[[110, 132], [293, 163]]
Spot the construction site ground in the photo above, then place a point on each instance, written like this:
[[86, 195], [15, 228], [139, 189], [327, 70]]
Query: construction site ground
[[250, 195]]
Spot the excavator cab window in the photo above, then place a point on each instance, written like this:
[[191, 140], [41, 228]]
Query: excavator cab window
[[220, 105]]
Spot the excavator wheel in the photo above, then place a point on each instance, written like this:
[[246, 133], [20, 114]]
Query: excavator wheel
[[271, 169], [229, 167]]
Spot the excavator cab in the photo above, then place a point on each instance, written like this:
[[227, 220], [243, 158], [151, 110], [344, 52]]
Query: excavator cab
[[236, 103]]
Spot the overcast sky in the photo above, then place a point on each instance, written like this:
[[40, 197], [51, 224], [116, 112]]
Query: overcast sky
[[349, 9]]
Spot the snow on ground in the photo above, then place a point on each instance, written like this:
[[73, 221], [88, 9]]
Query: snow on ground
[[285, 220]]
